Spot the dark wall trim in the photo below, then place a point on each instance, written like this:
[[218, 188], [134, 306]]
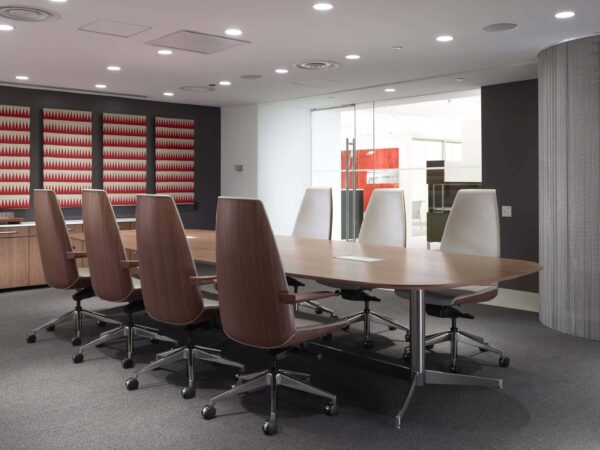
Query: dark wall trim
[[208, 144], [509, 122]]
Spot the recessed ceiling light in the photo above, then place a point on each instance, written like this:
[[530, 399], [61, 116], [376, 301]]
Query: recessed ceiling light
[[397, 47], [113, 68], [165, 51], [352, 57], [6, 27], [225, 83], [168, 94], [390, 90], [460, 79], [233, 32], [444, 38], [58, 1], [502, 26], [281, 71], [323, 6], [564, 14], [100, 86], [22, 77]]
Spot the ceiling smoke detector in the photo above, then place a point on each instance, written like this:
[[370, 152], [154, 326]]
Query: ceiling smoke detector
[[198, 89], [27, 13], [317, 65]]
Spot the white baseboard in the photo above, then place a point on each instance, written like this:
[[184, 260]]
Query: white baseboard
[[511, 298]]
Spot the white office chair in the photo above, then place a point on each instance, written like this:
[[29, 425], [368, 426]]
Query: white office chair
[[384, 224], [473, 228], [313, 222]]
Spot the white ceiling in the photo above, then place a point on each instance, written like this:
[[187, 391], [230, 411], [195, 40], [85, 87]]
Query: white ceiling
[[285, 32]]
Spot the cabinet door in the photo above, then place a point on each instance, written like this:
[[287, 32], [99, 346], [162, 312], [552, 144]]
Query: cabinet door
[[36, 271], [14, 262]]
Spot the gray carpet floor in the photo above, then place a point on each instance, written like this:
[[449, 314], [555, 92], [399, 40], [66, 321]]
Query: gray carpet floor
[[550, 400]]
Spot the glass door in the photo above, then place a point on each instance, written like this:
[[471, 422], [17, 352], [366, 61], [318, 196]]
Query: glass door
[[333, 159]]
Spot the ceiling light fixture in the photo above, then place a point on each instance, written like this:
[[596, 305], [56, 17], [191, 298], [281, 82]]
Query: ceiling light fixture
[[233, 32], [168, 94], [224, 83], [390, 90], [281, 71], [444, 38], [58, 1], [397, 47], [165, 51], [322, 6], [6, 27], [564, 14], [113, 68], [353, 57], [100, 86], [460, 79], [22, 77]]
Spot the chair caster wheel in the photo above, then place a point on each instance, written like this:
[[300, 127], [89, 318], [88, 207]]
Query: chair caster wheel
[[504, 361], [76, 341], [346, 328], [454, 368], [368, 344], [132, 384], [77, 358], [483, 350], [154, 341], [127, 363], [407, 336], [51, 328], [327, 337], [392, 328], [429, 347], [31, 338], [208, 412], [318, 310], [188, 392], [102, 344], [331, 409], [406, 354], [100, 324], [269, 428]]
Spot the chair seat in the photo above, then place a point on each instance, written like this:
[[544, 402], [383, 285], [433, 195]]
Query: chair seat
[[455, 296], [310, 327]]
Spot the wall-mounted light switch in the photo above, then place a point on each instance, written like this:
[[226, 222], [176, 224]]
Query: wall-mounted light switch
[[239, 167], [506, 211]]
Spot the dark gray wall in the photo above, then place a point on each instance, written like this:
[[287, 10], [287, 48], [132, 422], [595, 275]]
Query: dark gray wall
[[509, 122], [208, 144]]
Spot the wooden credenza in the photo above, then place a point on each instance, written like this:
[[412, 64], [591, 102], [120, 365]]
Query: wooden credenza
[[20, 261]]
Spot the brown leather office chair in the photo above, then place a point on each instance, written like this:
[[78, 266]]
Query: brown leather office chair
[[255, 306], [59, 264], [171, 286], [110, 273]]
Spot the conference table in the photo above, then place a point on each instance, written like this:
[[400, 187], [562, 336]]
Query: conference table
[[374, 266]]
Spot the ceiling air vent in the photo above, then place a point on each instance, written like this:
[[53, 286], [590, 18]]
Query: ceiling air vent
[[317, 65], [27, 13], [251, 77], [198, 89]]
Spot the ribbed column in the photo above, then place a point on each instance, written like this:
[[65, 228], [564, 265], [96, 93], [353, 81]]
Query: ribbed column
[[569, 158]]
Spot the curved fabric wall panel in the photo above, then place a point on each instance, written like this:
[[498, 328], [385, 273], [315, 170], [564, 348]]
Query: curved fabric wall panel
[[569, 95]]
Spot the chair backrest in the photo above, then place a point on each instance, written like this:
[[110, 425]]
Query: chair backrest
[[473, 226], [104, 248], [314, 217], [53, 239], [250, 276], [165, 262], [385, 219]]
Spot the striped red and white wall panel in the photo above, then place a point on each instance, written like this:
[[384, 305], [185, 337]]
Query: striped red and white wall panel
[[15, 136], [124, 153], [175, 158], [67, 154]]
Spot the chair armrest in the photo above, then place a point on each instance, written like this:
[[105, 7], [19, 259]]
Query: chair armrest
[[203, 280], [76, 255], [128, 264], [301, 297]]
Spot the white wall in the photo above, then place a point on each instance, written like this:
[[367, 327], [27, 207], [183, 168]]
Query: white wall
[[239, 145], [283, 162]]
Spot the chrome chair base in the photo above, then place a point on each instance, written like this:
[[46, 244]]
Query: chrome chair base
[[367, 316], [129, 331], [188, 353], [272, 378], [316, 307]]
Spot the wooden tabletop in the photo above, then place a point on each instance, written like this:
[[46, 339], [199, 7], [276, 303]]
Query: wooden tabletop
[[398, 268]]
